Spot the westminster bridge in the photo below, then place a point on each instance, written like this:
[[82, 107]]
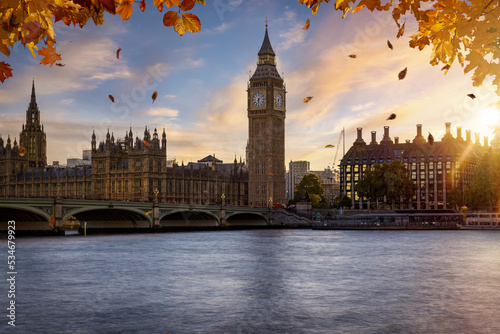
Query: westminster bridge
[[48, 213]]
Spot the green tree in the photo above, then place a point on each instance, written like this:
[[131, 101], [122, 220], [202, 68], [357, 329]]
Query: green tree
[[484, 188], [342, 202], [390, 180], [455, 198], [309, 189]]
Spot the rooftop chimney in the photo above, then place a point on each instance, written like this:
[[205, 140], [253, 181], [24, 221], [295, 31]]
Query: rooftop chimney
[[396, 140], [360, 140], [467, 135], [486, 141], [448, 128], [386, 139], [459, 133], [374, 138], [419, 138], [476, 138]]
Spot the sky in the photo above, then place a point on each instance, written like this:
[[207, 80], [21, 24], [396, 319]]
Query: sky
[[201, 80]]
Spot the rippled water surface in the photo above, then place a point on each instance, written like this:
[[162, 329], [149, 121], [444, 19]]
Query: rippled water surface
[[257, 281]]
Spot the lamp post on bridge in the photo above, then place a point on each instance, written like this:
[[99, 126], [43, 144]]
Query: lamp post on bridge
[[156, 195]]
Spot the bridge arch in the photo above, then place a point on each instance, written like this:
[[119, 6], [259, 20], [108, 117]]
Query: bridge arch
[[111, 217], [189, 218], [26, 217], [246, 219]]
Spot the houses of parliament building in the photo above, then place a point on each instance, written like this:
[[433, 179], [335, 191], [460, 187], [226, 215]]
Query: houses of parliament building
[[135, 169]]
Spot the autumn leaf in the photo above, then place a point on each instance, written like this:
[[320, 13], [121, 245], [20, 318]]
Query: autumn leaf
[[146, 143], [401, 31], [169, 18], [22, 149], [171, 3], [308, 22], [60, 65], [118, 53], [472, 96], [179, 26], [353, 56], [269, 173], [5, 71], [142, 6], [109, 5], [329, 146], [49, 54], [111, 98], [187, 5], [307, 99], [389, 44], [35, 30], [191, 22], [155, 94], [125, 9], [446, 67], [392, 116], [201, 2], [402, 74], [430, 138]]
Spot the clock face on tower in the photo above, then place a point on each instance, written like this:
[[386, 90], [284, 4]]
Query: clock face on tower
[[278, 100], [258, 99]]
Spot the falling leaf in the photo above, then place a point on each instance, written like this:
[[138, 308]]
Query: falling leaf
[[402, 74], [60, 65], [389, 45], [187, 5], [472, 96], [307, 25], [392, 116], [169, 18], [118, 53], [430, 139], [142, 6], [5, 71], [52, 221], [125, 9], [353, 56], [446, 67], [49, 54], [155, 94], [307, 99], [401, 31], [149, 212], [35, 30], [269, 173], [191, 22], [146, 143], [22, 150], [111, 98], [204, 191], [329, 146]]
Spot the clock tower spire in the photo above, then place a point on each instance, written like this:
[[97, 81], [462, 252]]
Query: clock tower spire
[[266, 130]]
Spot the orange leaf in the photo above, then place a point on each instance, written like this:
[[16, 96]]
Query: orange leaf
[[430, 139], [109, 5], [307, 25], [179, 26], [22, 150], [329, 146], [146, 143], [111, 98], [446, 67], [155, 94], [60, 65], [125, 9], [49, 54], [472, 96], [142, 6], [191, 22], [307, 99], [401, 31], [269, 173], [389, 44], [392, 116], [5, 71], [170, 3], [118, 53], [353, 56], [402, 74], [169, 18], [187, 5]]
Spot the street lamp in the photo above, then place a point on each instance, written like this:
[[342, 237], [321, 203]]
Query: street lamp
[[222, 197], [156, 195]]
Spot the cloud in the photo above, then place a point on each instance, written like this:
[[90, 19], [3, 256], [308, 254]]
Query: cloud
[[166, 112]]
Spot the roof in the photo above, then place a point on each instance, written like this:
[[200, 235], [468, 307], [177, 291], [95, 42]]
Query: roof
[[210, 158], [266, 47]]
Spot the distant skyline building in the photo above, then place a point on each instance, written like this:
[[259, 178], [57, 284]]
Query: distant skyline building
[[296, 170]]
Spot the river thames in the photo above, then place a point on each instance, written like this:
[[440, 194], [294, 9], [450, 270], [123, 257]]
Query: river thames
[[257, 281]]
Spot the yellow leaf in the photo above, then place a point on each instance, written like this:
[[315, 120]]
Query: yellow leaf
[[191, 22], [32, 46], [179, 26], [401, 31], [307, 99], [125, 9], [200, 2], [307, 25]]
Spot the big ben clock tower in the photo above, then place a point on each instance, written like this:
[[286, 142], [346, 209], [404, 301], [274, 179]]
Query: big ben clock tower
[[266, 131]]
